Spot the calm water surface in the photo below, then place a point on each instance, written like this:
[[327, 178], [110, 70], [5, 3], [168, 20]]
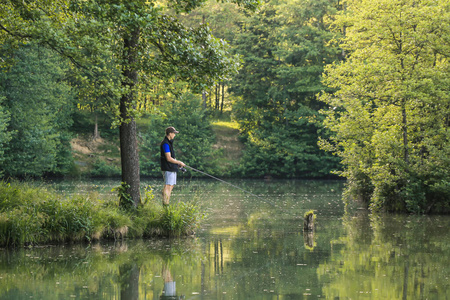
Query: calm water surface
[[248, 248]]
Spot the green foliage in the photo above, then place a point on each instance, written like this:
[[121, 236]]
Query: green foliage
[[31, 215], [101, 168], [178, 219], [84, 124], [223, 18], [119, 47], [39, 105], [284, 55], [309, 212], [5, 136], [125, 200], [67, 219], [390, 112], [287, 149], [181, 218], [19, 227], [95, 40]]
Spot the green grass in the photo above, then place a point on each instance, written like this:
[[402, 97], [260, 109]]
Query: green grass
[[226, 125], [31, 215]]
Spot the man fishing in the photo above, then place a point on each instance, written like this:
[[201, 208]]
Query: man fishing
[[169, 165]]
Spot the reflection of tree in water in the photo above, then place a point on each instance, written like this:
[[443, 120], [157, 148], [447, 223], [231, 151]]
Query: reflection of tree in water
[[308, 238], [129, 281], [389, 257], [218, 256], [170, 257]]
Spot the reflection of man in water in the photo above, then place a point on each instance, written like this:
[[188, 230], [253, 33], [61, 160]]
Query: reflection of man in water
[[170, 290]]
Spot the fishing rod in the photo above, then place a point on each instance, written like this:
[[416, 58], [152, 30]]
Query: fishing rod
[[221, 180]]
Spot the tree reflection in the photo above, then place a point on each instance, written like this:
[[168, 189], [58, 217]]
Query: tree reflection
[[308, 238], [389, 257], [129, 281], [218, 256]]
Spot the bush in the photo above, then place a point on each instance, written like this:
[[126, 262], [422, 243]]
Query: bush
[[180, 219], [102, 169]]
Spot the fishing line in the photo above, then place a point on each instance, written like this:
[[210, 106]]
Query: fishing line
[[221, 180]]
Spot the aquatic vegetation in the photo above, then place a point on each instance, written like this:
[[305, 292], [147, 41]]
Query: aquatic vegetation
[[180, 218], [31, 215]]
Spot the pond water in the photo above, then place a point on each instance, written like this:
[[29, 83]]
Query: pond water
[[249, 247]]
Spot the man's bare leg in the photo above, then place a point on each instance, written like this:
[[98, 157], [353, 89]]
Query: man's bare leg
[[167, 191]]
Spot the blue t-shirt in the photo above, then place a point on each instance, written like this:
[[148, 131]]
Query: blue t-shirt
[[166, 148]]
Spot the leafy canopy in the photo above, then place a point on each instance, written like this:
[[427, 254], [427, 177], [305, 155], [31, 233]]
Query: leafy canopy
[[91, 33]]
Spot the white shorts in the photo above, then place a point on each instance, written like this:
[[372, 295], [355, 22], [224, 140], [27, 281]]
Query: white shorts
[[170, 178]]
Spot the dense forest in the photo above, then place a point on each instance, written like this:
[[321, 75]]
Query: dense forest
[[322, 88]]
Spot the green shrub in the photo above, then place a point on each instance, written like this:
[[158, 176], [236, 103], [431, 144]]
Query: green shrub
[[125, 200], [101, 169], [180, 219]]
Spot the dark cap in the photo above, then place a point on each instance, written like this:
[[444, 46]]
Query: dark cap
[[170, 130]]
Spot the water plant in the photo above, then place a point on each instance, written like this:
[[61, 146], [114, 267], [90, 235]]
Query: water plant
[[174, 220]]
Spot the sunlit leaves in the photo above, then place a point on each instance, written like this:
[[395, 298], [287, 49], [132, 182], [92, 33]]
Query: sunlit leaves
[[388, 93]]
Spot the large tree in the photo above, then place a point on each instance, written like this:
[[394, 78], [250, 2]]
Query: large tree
[[144, 41], [391, 111]]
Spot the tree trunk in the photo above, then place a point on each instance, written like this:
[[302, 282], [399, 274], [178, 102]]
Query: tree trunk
[[96, 135], [217, 96], [204, 99], [128, 131], [405, 132], [129, 281], [223, 97], [211, 93]]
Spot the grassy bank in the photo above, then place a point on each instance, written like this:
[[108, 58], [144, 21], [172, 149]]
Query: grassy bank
[[31, 215]]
